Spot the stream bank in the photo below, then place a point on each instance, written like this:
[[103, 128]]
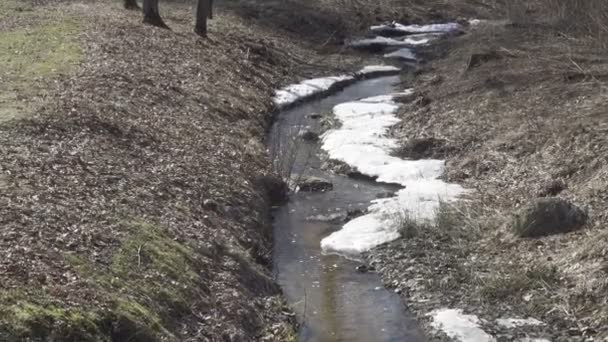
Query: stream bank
[[434, 266], [500, 107], [333, 301]]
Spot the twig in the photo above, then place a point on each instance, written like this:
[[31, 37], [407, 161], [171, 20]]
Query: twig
[[328, 39], [139, 254]]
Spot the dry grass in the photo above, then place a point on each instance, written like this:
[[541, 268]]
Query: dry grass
[[157, 127], [531, 114], [575, 18]]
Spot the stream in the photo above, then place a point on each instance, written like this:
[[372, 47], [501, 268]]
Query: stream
[[332, 298]]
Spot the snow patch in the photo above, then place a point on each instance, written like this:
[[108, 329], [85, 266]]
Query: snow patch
[[459, 326], [418, 201], [409, 41], [421, 39], [518, 322], [532, 339], [296, 92], [371, 69], [362, 142], [380, 41], [396, 28], [403, 53]]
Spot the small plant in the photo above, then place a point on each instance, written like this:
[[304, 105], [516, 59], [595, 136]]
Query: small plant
[[501, 287]]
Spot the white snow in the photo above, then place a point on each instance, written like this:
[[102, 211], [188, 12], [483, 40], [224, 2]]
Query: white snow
[[403, 53], [383, 41], [362, 142], [370, 69], [418, 201], [518, 322], [532, 339], [455, 324], [421, 39], [405, 29], [407, 41], [295, 92]]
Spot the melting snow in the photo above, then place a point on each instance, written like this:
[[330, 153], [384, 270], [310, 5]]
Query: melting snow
[[403, 53], [371, 69], [383, 41], [421, 39], [411, 40], [459, 326], [362, 142], [296, 92], [405, 29], [518, 322]]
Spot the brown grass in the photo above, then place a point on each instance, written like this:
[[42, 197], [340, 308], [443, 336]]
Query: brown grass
[[575, 18]]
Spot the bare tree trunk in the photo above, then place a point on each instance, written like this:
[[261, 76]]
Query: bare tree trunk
[[210, 9], [203, 12], [131, 4], [152, 15]]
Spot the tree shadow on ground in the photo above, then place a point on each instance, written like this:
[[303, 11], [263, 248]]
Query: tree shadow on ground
[[304, 19]]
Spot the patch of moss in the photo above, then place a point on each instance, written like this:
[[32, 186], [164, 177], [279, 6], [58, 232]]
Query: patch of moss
[[150, 282], [39, 49], [34, 316]]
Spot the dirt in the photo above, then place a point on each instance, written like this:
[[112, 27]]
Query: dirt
[[521, 109]]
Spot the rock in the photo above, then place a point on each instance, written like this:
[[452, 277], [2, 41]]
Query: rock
[[422, 101], [387, 194], [274, 187], [552, 188], [210, 204], [423, 148], [364, 268], [353, 214], [478, 59], [315, 116], [355, 174], [336, 167], [314, 184], [309, 136], [547, 216]]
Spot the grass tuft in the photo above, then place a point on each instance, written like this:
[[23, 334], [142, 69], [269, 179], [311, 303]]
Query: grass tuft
[[31, 54]]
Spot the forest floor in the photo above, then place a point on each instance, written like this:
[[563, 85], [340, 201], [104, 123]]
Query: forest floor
[[133, 176]]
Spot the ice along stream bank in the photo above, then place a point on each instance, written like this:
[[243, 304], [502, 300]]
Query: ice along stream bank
[[318, 235]]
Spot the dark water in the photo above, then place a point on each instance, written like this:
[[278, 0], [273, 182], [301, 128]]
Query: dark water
[[333, 301]]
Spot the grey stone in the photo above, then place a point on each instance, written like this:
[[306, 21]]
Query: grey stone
[[548, 216], [314, 184], [309, 136]]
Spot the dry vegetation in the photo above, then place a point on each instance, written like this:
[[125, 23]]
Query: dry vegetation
[[518, 107], [133, 178], [130, 202]]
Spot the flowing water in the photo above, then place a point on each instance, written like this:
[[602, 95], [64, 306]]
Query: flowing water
[[333, 301]]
